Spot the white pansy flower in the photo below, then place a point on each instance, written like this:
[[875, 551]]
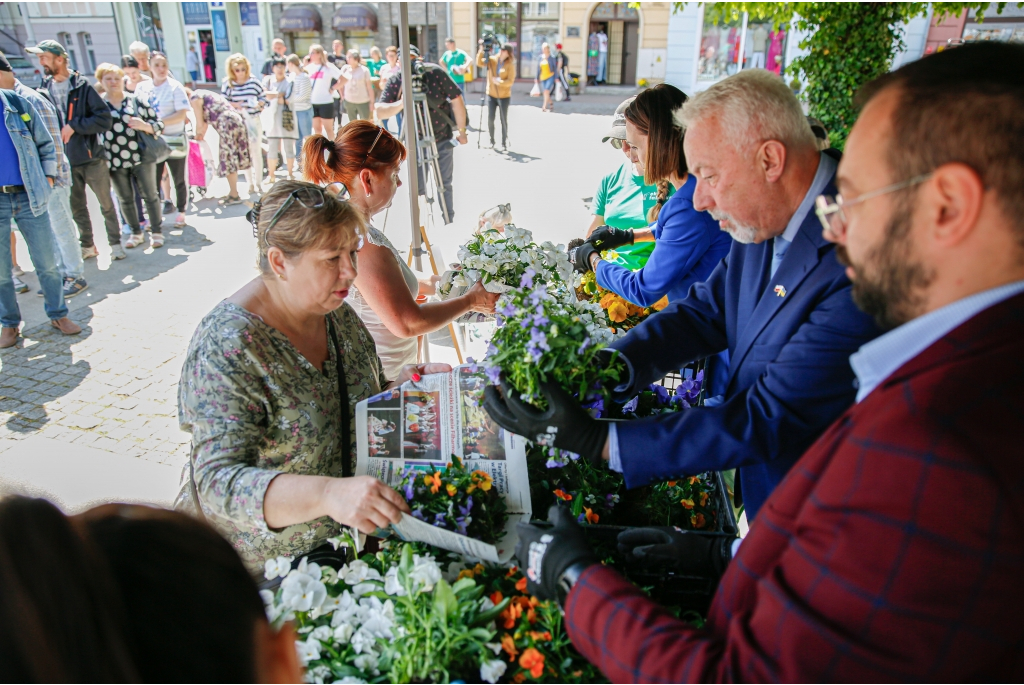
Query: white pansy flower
[[350, 680], [358, 571], [317, 674], [362, 641], [322, 633], [343, 633], [310, 569], [301, 592], [308, 650], [329, 576], [425, 573], [360, 589], [494, 647], [392, 585], [277, 568], [491, 670], [367, 663]]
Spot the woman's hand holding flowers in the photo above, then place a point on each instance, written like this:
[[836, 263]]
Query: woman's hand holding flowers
[[608, 238], [363, 502], [480, 299]]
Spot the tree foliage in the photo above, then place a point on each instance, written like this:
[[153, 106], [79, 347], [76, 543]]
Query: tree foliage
[[847, 45]]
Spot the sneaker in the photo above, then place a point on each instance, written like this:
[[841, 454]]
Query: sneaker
[[117, 252], [17, 271], [20, 286], [156, 240], [89, 252], [134, 240], [180, 221], [73, 286], [168, 206]]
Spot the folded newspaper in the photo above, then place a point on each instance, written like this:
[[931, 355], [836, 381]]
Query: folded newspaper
[[421, 425]]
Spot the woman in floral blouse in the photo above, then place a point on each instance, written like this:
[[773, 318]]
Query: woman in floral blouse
[[122, 144], [259, 389]]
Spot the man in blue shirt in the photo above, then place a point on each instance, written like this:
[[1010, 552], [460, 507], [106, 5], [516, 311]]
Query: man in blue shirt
[[779, 303], [25, 189]]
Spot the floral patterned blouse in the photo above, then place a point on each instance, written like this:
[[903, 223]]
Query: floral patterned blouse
[[257, 408]]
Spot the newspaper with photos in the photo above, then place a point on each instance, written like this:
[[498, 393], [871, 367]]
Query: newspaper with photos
[[420, 425]]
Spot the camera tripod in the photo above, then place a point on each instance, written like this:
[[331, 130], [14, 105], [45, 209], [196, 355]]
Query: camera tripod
[[426, 152]]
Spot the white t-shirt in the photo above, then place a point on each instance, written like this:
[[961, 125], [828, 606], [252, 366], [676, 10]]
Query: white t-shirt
[[321, 76], [602, 42], [355, 87], [166, 99]]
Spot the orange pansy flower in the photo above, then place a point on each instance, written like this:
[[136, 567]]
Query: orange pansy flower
[[521, 584], [540, 637], [698, 520], [562, 494], [509, 645], [591, 516], [496, 597], [687, 503], [434, 481], [533, 661], [704, 497], [671, 483], [451, 490], [693, 480]]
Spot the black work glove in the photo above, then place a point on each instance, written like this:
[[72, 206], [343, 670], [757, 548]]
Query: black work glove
[[685, 552], [608, 238], [564, 424], [545, 554], [580, 257]]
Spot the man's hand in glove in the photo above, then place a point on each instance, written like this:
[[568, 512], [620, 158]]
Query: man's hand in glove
[[580, 257], [564, 424], [608, 238], [552, 558], [698, 554]]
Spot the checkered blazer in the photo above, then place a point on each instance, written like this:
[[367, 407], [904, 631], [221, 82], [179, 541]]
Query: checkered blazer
[[893, 550]]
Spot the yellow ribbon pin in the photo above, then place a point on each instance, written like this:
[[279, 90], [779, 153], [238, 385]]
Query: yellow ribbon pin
[[25, 117]]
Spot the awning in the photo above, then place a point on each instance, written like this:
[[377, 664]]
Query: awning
[[355, 17], [301, 19]]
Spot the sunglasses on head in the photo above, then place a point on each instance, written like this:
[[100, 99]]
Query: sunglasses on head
[[310, 197]]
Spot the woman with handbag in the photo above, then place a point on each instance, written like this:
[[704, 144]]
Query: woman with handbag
[[245, 93], [546, 73], [126, 144], [169, 99], [270, 383], [213, 109], [282, 133]]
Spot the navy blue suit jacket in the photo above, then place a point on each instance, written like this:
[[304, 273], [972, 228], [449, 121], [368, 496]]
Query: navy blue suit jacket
[[790, 374]]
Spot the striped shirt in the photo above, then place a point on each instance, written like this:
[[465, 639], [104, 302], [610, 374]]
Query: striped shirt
[[302, 92], [250, 94], [51, 120]]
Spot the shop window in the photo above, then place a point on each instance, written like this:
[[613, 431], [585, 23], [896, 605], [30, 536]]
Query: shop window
[[731, 46], [90, 54], [151, 31], [539, 26]]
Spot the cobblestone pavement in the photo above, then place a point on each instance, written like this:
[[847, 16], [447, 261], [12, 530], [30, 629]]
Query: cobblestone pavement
[[93, 417]]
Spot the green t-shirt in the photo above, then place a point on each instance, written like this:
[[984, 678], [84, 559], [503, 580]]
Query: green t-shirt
[[623, 199], [454, 58], [374, 67]]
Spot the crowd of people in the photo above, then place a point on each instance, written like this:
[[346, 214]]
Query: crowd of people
[[842, 296]]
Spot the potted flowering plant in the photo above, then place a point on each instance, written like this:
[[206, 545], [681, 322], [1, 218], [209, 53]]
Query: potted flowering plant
[[456, 499], [500, 259], [387, 617], [620, 314]]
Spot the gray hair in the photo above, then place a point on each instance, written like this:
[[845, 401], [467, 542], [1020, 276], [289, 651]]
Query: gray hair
[[138, 48], [753, 106]]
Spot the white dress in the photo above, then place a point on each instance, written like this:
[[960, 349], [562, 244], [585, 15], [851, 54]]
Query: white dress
[[394, 352]]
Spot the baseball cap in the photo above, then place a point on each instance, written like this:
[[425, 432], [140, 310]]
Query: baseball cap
[[619, 121], [4, 64], [50, 46]]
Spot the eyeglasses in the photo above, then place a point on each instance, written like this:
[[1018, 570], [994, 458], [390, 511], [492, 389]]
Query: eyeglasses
[[380, 132], [310, 197], [830, 208]]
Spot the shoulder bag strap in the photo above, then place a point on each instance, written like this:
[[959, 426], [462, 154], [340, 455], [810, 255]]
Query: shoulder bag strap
[[346, 437]]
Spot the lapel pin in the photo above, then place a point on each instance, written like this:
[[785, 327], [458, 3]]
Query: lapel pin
[[780, 290]]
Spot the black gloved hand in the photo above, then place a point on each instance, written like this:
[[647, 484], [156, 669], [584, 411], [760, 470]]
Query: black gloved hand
[[545, 554], [608, 238], [679, 550], [564, 424], [580, 257]]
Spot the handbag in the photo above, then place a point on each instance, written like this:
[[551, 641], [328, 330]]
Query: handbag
[[559, 91], [287, 118], [152, 149], [178, 143]]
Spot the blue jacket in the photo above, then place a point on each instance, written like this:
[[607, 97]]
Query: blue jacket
[[688, 246], [790, 375], [37, 155]]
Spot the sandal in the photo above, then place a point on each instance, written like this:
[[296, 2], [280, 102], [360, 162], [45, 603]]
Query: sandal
[[134, 240], [230, 200], [156, 240]]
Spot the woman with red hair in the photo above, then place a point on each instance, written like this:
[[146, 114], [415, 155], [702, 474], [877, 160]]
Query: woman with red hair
[[366, 158]]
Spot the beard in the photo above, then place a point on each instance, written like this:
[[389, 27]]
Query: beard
[[48, 71], [741, 234], [893, 292]]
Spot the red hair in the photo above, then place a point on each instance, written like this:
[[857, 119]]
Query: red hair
[[350, 153]]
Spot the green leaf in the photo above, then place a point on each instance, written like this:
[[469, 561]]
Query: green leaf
[[462, 585], [491, 614], [405, 565], [482, 633], [445, 602]]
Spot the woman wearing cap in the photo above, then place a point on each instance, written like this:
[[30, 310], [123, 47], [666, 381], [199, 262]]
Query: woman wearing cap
[[689, 243], [501, 74], [623, 199], [366, 159], [270, 383]]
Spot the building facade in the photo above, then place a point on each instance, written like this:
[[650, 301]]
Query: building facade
[[86, 29]]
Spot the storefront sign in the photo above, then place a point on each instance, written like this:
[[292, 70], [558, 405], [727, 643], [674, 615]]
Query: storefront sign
[[250, 13], [220, 31], [572, 31], [195, 13]]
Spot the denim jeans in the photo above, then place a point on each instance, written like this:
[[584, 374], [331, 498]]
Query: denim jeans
[[41, 246], [68, 253], [96, 175], [501, 105], [304, 121], [145, 175], [446, 162]]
